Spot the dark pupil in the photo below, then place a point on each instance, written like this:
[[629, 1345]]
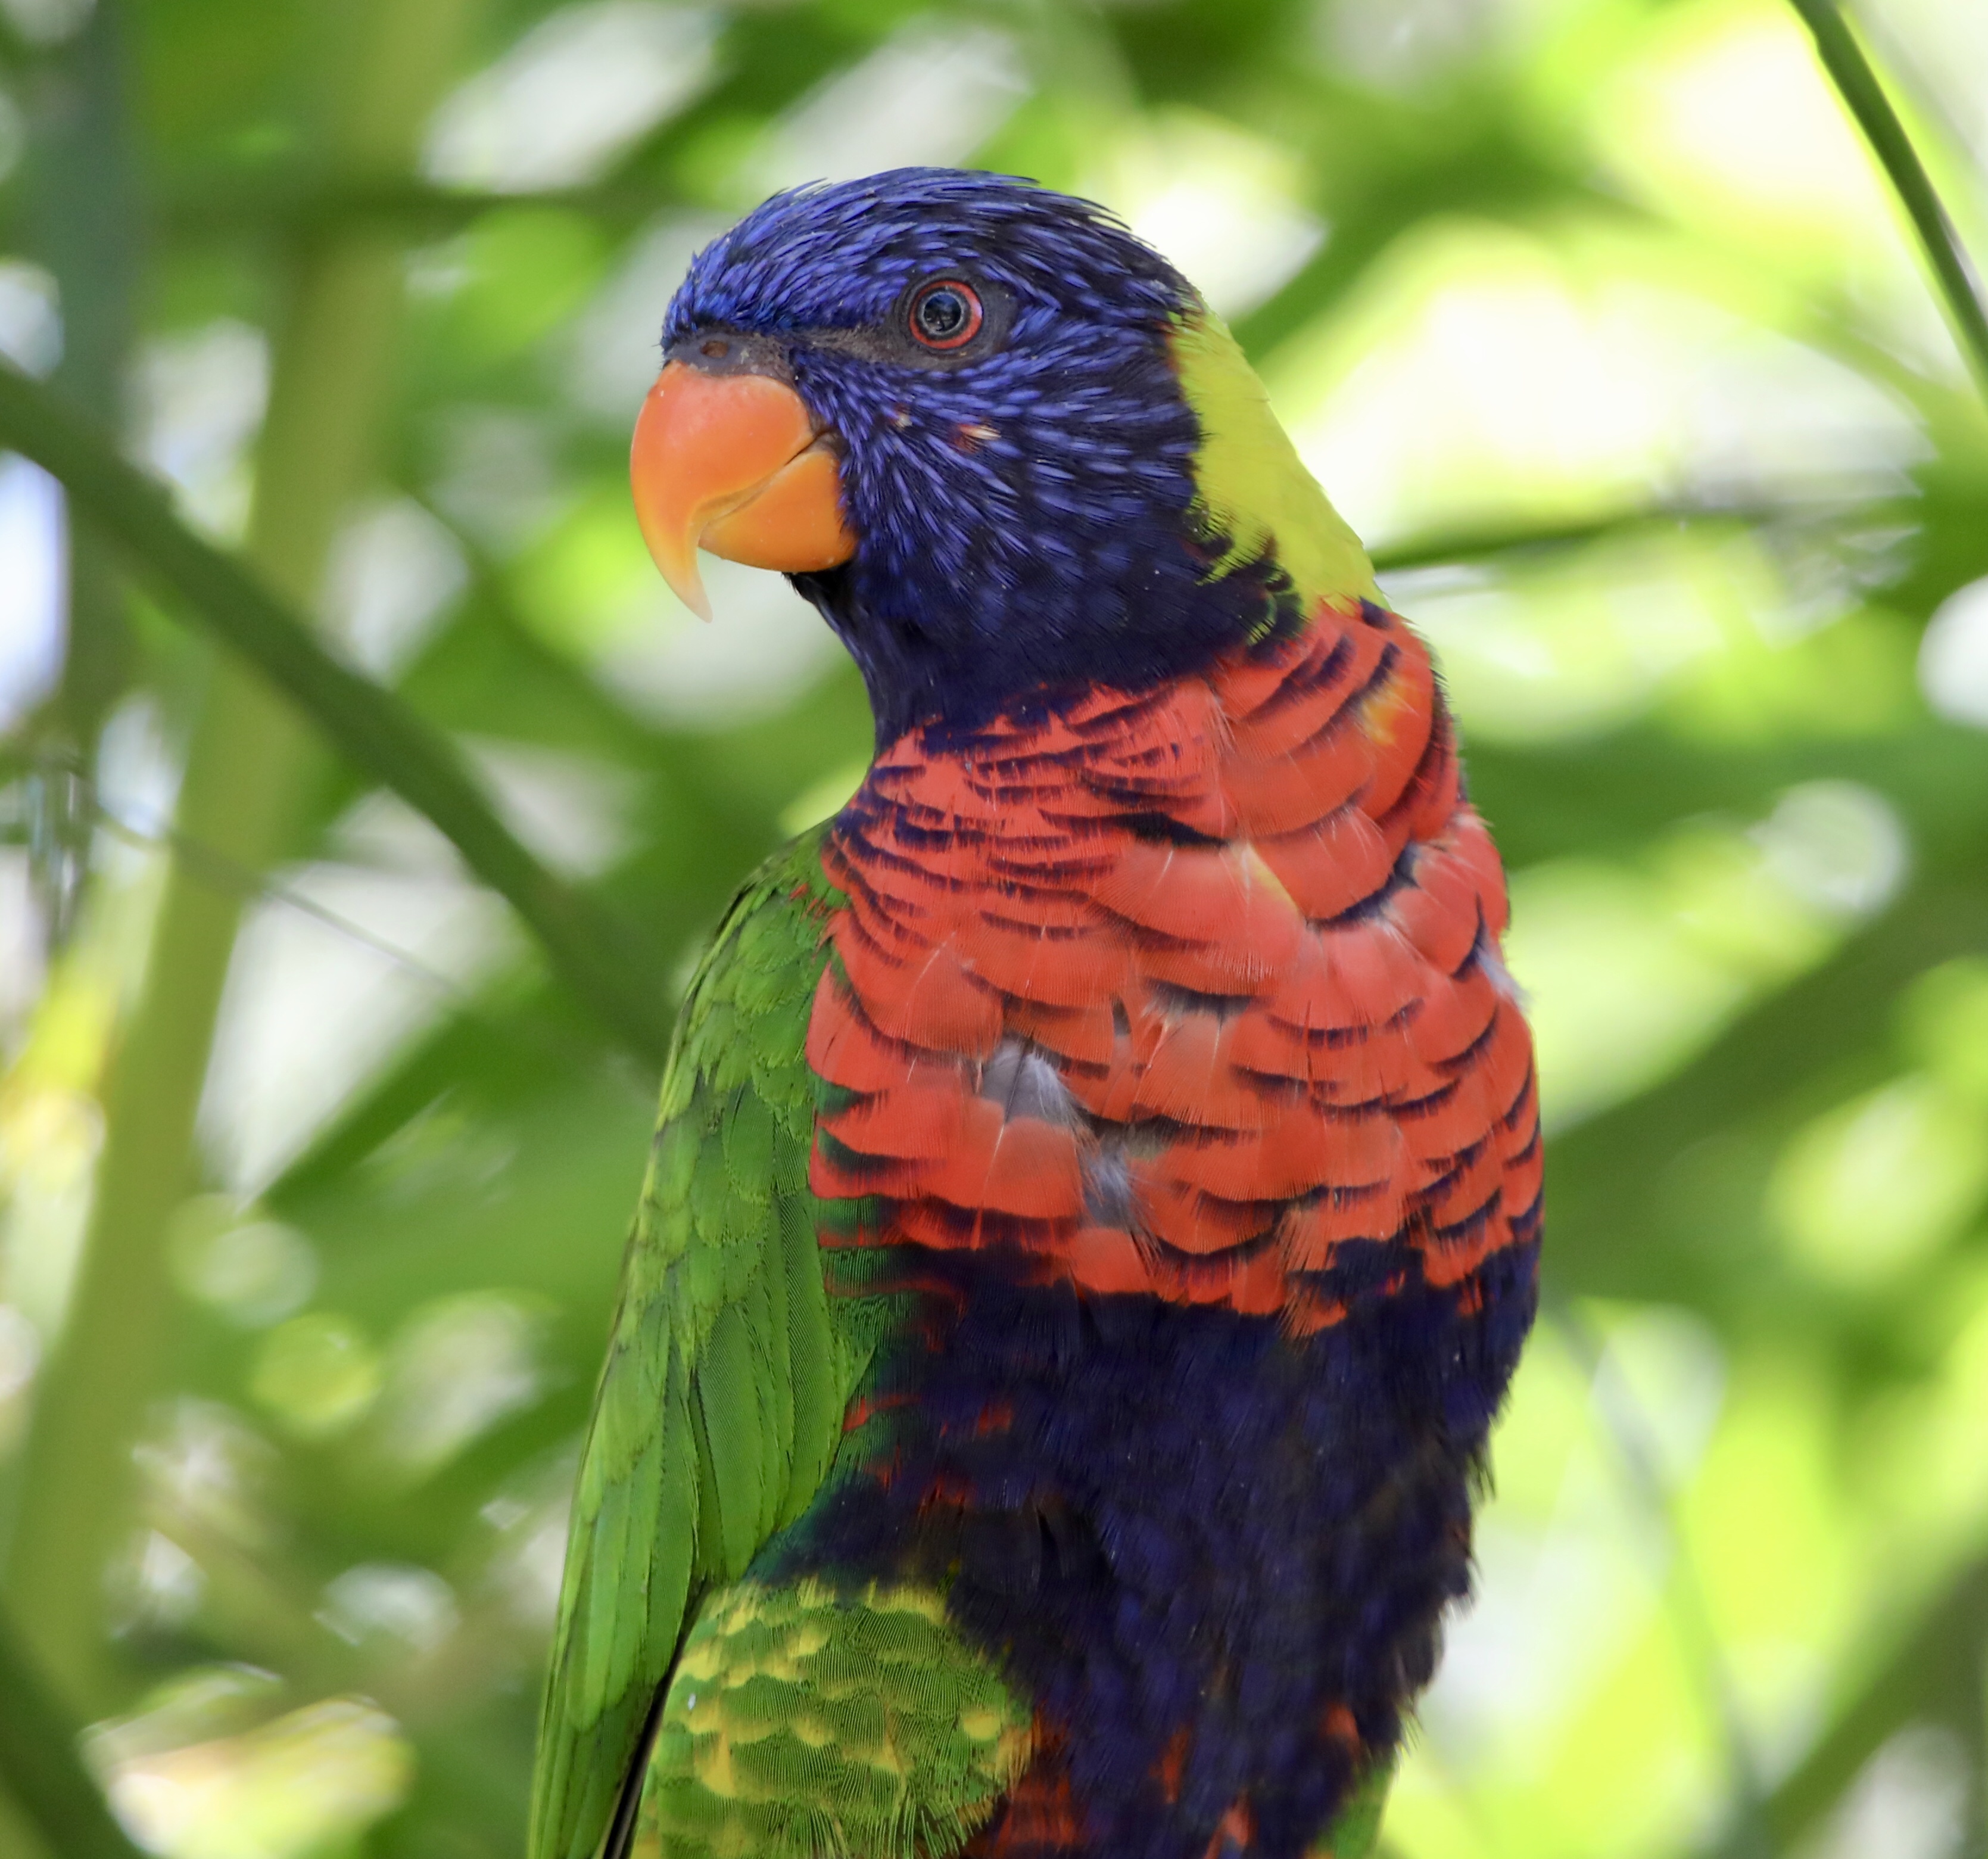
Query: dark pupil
[[942, 314]]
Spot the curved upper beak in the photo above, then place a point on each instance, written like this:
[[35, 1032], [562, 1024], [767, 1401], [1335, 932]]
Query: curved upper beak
[[732, 462]]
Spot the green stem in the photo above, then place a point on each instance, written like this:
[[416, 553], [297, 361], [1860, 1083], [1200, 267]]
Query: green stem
[[333, 354], [589, 949], [1856, 83], [39, 1769]]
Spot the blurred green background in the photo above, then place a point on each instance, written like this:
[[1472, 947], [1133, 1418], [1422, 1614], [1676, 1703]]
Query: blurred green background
[[1597, 319]]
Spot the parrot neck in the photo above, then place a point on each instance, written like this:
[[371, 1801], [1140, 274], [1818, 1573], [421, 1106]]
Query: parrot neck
[[1222, 542], [929, 662]]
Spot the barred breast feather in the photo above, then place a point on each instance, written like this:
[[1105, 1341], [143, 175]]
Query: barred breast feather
[[1180, 991]]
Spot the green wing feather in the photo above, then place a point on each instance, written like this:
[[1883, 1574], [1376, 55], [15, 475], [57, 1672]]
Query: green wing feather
[[720, 1405]]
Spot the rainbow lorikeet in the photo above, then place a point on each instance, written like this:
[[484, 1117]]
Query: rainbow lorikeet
[[1096, 1207]]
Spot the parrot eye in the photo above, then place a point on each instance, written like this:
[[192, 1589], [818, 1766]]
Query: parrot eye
[[946, 314]]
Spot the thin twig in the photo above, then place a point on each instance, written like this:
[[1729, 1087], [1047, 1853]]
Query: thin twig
[[1434, 548], [587, 947], [1857, 83], [220, 873], [216, 869]]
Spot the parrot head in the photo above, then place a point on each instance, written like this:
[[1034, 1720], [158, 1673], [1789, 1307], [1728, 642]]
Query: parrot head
[[997, 440]]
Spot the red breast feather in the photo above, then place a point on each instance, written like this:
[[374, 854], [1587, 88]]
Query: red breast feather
[[1176, 992]]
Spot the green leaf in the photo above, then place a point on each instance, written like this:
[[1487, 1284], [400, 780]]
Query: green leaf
[[590, 952], [1852, 73]]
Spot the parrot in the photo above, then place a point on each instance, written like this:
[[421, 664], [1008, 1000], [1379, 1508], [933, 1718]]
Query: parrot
[[1095, 1212]]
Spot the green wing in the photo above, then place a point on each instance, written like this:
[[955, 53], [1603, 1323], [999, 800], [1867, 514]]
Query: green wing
[[720, 1403]]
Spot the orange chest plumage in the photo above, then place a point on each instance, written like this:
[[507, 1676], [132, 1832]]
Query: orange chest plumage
[[1194, 991]]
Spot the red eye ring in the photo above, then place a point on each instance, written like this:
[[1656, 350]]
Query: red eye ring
[[955, 314]]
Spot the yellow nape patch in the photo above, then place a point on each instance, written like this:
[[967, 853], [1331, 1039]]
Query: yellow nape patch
[[1252, 486]]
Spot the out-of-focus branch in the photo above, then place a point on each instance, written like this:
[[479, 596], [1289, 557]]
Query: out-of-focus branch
[[588, 949], [1438, 548], [412, 207], [1934, 1672], [40, 1769], [1856, 83]]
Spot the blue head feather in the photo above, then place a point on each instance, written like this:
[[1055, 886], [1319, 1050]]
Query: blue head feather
[[1025, 511]]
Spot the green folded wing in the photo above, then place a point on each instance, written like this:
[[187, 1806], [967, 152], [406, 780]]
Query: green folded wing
[[726, 1372]]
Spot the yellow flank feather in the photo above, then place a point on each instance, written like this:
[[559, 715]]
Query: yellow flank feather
[[1253, 487]]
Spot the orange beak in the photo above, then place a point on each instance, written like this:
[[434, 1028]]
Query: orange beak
[[734, 463]]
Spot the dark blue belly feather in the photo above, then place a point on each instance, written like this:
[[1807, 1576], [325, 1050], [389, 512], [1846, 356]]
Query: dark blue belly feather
[[1217, 1558]]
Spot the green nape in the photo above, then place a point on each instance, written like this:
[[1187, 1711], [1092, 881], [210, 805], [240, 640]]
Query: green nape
[[1252, 486], [800, 1722]]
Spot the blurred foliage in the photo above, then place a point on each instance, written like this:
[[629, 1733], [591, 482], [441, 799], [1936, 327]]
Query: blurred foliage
[[1598, 320]]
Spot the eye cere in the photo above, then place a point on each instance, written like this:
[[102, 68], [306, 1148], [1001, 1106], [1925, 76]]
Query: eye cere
[[946, 315]]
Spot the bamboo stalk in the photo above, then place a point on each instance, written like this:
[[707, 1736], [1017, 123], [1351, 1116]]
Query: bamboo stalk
[[332, 357], [40, 1769]]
